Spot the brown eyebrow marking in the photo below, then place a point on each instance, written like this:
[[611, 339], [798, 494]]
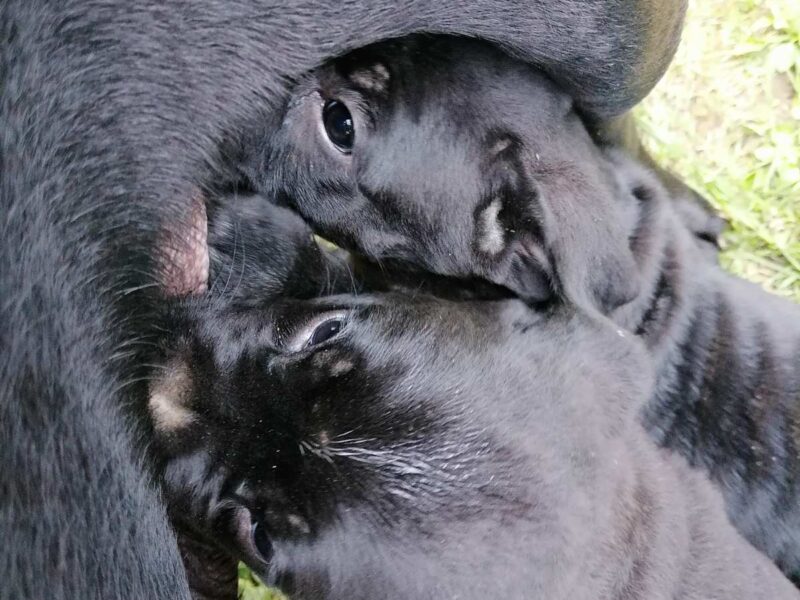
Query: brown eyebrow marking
[[374, 78], [169, 395]]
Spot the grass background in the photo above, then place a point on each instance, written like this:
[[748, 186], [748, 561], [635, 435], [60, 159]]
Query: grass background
[[726, 118]]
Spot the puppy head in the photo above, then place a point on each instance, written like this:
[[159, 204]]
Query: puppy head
[[260, 251], [247, 250], [456, 159], [352, 447]]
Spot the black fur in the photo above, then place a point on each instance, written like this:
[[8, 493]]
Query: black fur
[[435, 449], [728, 391], [466, 163], [443, 130], [115, 117], [259, 254]]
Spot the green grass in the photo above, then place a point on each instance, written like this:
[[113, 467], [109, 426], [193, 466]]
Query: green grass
[[726, 118], [250, 588]]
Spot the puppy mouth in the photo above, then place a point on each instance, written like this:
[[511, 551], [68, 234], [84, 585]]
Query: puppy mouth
[[246, 531], [238, 523], [400, 275]]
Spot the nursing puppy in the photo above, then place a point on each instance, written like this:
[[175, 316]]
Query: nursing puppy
[[727, 395], [450, 156], [115, 118], [402, 446], [253, 253], [458, 160]]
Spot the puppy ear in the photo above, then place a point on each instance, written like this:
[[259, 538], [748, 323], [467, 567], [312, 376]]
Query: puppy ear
[[516, 255], [592, 218], [616, 281], [594, 259], [530, 272], [511, 230]]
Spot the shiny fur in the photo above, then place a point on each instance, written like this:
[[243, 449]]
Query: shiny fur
[[466, 163], [437, 449], [728, 356], [116, 117], [450, 137]]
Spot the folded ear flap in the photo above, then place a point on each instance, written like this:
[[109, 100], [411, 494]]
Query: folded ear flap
[[557, 231], [514, 252], [615, 280], [530, 271], [595, 264], [510, 237], [590, 221]]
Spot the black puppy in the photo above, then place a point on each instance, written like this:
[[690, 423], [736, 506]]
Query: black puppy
[[408, 447], [114, 118], [464, 162], [450, 156], [728, 355], [251, 253]]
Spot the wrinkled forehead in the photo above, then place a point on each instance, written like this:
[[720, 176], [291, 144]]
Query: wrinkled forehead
[[460, 354], [470, 81], [437, 335]]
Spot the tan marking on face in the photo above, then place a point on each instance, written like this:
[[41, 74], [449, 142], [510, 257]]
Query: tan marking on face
[[169, 395], [490, 231], [500, 145], [298, 523], [340, 367], [374, 78]]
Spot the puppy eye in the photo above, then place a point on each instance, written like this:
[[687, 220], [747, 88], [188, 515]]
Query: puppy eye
[[317, 330], [325, 331], [261, 541], [339, 125]]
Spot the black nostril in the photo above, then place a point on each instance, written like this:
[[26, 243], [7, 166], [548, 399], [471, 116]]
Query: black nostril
[[261, 541]]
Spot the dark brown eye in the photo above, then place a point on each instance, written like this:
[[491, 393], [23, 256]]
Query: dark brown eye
[[339, 125], [317, 330], [325, 331]]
